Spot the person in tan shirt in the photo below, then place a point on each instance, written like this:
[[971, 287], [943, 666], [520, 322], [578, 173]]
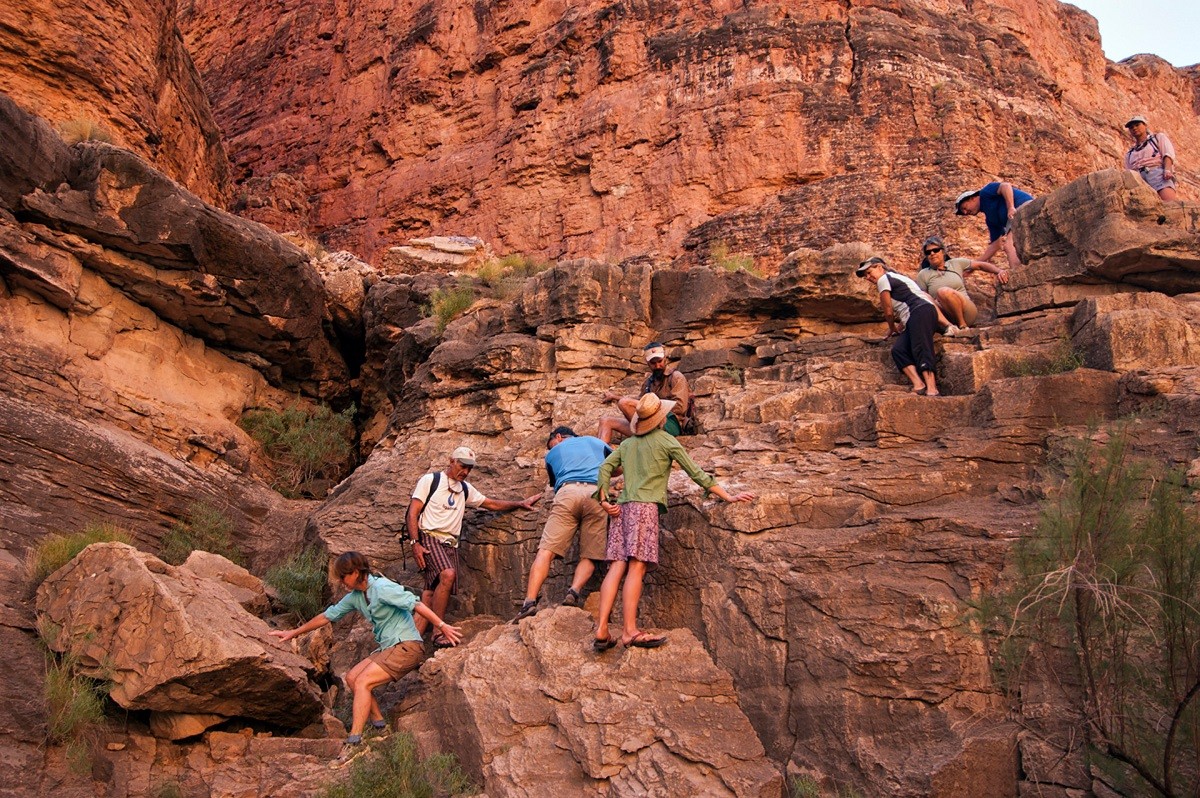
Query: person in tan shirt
[[664, 381]]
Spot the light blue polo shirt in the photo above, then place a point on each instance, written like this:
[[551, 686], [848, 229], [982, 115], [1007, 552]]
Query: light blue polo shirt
[[387, 605], [576, 459]]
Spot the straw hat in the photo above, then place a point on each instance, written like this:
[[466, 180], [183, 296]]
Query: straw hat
[[651, 412]]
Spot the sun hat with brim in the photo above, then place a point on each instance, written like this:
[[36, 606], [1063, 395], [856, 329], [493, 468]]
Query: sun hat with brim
[[651, 412], [963, 197], [866, 265], [1134, 120]]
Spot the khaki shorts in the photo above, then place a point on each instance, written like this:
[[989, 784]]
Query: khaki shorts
[[400, 658], [970, 312], [573, 510]]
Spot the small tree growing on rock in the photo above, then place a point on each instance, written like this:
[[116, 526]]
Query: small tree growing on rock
[[1108, 587]]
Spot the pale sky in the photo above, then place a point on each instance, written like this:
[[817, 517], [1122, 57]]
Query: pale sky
[[1166, 28]]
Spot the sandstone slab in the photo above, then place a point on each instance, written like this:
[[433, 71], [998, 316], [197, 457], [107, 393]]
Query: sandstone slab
[[575, 723], [170, 641], [1102, 233]]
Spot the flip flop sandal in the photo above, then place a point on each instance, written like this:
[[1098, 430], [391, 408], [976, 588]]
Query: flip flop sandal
[[643, 640], [603, 644], [441, 642]]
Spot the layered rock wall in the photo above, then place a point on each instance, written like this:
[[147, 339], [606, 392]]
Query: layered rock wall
[[121, 66], [612, 129], [838, 599], [139, 325]]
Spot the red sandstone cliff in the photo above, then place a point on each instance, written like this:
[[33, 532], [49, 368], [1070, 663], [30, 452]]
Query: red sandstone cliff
[[122, 66], [610, 129]]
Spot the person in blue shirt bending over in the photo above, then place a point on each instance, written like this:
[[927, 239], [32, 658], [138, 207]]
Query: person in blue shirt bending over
[[389, 607], [997, 202], [572, 465]]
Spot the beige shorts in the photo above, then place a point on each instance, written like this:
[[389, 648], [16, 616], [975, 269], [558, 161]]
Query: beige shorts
[[970, 312], [400, 658], [573, 510]]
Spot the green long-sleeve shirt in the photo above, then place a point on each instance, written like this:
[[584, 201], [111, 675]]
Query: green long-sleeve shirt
[[646, 461]]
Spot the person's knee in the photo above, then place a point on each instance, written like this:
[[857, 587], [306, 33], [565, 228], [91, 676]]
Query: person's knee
[[446, 577]]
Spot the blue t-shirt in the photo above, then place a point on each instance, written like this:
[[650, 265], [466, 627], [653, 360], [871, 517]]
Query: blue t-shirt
[[576, 460], [995, 210], [387, 605]]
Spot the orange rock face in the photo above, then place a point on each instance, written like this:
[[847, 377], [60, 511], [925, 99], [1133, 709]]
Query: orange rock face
[[608, 130], [120, 66]]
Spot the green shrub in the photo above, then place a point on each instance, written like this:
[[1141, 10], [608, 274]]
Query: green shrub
[[204, 528], [74, 710], [56, 551], [394, 770], [447, 304], [803, 787], [1109, 582], [80, 129], [304, 444], [302, 582], [723, 259], [169, 789], [1059, 360], [507, 276]]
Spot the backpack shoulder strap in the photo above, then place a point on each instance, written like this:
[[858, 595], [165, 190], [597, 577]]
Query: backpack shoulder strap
[[433, 489]]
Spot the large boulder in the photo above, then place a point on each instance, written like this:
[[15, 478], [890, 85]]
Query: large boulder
[[566, 721], [170, 641], [1106, 232]]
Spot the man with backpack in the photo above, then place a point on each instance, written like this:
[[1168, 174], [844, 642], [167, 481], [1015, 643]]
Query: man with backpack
[[665, 382], [1153, 157], [435, 517]]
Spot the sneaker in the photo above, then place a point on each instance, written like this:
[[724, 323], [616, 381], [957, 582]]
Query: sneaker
[[951, 330], [350, 752], [572, 599], [378, 729], [527, 609]]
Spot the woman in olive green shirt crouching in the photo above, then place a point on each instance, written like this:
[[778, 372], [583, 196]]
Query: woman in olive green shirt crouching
[[646, 459]]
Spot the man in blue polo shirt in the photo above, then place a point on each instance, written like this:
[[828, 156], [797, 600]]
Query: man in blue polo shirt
[[997, 202], [572, 465]]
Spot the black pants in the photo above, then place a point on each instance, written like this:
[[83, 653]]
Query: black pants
[[914, 347]]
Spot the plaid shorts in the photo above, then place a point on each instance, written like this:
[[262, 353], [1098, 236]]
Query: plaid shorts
[[438, 557]]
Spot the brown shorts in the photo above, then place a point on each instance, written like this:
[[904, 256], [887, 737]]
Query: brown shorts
[[574, 510], [400, 658], [439, 557]]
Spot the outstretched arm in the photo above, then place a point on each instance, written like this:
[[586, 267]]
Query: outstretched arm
[[737, 497], [503, 506], [452, 633], [315, 623], [985, 266], [885, 304], [1010, 202]]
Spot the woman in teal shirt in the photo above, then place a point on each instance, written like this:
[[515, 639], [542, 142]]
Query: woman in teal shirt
[[389, 608], [645, 459]]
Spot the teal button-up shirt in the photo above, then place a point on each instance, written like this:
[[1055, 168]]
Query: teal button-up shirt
[[387, 605]]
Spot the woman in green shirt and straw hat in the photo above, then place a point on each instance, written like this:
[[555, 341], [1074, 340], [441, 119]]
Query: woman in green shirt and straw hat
[[645, 459]]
